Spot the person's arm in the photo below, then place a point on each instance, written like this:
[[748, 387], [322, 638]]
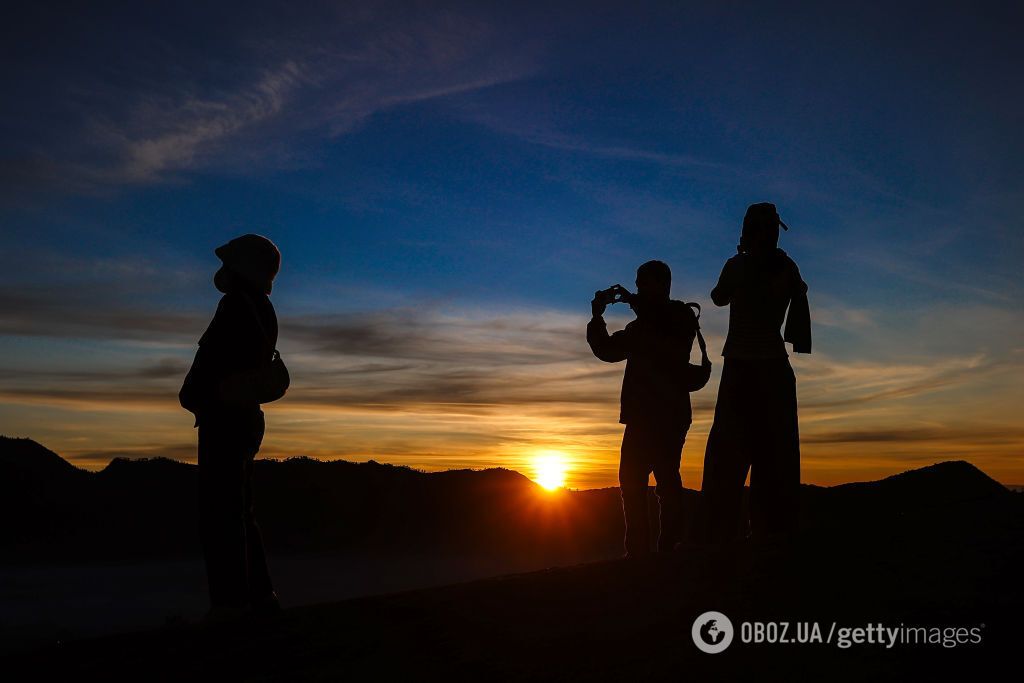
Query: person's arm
[[609, 348], [725, 289], [798, 318], [799, 286]]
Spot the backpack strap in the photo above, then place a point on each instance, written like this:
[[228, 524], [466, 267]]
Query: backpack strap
[[700, 337]]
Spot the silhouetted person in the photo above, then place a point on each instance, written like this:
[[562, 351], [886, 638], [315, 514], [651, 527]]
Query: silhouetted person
[[755, 426], [221, 389], [655, 401]]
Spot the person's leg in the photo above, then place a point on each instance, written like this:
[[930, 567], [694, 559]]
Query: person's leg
[[669, 487], [775, 472], [260, 587], [634, 471], [221, 501], [726, 459]]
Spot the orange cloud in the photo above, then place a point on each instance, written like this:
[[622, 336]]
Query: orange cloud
[[438, 390]]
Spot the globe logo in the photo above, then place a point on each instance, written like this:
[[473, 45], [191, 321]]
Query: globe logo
[[712, 632]]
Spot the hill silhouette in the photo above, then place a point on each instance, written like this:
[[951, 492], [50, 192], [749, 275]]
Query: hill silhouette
[[944, 482], [137, 509], [24, 461]]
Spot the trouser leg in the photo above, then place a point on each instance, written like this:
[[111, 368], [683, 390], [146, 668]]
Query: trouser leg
[[669, 488], [775, 471], [260, 585], [634, 470], [222, 529], [726, 460], [232, 546]]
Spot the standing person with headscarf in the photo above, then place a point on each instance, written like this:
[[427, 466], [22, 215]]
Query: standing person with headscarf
[[755, 426], [222, 389]]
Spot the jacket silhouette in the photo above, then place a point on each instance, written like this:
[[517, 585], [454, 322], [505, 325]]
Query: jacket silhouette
[[656, 347], [240, 339], [654, 402], [755, 427]]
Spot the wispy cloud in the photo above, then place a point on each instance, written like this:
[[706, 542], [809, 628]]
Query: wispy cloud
[[188, 133], [937, 434], [567, 143], [292, 95], [90, 312]]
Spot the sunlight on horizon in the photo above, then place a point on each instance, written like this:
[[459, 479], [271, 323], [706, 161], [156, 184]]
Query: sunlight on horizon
[[550, 469]]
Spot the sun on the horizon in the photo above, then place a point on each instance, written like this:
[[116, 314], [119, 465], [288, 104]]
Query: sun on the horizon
[[549, 469]]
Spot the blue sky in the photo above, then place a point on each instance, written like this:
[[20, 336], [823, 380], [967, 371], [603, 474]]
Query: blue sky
[[450, 183]]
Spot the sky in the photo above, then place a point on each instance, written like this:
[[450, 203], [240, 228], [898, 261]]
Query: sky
[[450, 183]]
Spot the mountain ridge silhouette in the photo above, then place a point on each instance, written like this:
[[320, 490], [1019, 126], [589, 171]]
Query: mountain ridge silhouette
[[145, 508], [16, 452]]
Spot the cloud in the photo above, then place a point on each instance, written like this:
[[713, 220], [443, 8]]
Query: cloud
[[155, 369], [568, 143], [401, 357], [836, 384], [831, 312], [187, 134], [266, 101], [946, 435], [512, 120], [91, 311]]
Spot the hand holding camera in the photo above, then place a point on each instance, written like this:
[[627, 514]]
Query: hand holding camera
[[613, 295]]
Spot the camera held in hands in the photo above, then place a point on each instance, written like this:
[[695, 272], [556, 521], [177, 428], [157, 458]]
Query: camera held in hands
[[616, 294]]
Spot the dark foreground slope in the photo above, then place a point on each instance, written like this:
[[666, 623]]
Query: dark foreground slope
[[607, 621], [937, 548]]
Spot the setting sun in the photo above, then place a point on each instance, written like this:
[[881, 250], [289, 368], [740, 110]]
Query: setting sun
[[549, 469]]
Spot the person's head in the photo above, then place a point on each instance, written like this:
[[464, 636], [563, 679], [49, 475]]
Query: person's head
[[250, 260], [654, 280], [761, 228]]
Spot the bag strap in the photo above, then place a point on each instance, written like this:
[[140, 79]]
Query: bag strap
[[259, 323], [700, 337]]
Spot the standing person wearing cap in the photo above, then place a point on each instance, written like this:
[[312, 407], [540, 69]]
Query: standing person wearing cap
[[238, 343], [655, 399], [755, 426]]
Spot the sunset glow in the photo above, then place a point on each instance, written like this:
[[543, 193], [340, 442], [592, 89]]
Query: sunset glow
[[549, 469]]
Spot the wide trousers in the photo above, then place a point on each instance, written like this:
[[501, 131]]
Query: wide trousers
[[755, 429], [650, 449], [236, 565]]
